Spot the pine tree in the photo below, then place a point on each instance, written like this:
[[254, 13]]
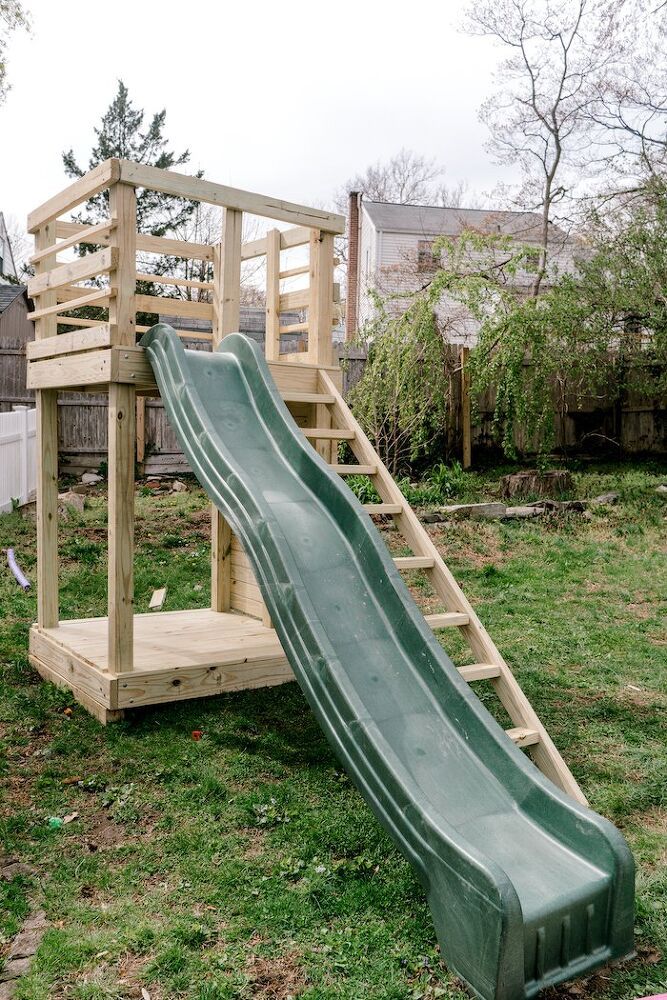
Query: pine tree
[[121, 135]]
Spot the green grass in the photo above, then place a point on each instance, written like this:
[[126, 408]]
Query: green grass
[[246, 865]]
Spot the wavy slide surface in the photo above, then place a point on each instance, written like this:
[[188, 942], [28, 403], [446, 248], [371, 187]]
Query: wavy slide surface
[[526, 887]]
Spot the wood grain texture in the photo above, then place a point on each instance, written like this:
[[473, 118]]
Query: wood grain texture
[[122, 433]]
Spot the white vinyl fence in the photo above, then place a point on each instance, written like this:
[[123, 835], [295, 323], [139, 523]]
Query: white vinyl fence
[[18, 457]]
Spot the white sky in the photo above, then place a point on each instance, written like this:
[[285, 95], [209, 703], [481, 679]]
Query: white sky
[[286, 98]]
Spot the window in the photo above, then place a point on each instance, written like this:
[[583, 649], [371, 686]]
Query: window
[[427, 260]]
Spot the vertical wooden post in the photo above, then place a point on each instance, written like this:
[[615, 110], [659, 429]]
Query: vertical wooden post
[[226, 315], [465, 408], [320, 312], [141, 428], [272, 335], [47, 457], [122, 436]]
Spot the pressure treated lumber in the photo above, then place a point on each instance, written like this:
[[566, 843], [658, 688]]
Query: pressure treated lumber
[[272, 327], [87, 339], [96, 180]]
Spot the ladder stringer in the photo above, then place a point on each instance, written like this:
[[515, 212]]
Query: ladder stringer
[[524, 717]]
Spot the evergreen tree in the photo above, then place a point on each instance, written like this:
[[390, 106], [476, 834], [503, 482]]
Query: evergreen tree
[[121, 134]]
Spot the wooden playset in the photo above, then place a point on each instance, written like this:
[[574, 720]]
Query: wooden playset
[[127, 660]]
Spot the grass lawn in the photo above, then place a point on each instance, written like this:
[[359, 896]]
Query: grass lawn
[[246, 865]]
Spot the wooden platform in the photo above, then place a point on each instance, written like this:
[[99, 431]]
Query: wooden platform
[[177, 655]]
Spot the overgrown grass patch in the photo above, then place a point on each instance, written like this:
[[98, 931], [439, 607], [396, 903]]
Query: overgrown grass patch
[[245, 865]]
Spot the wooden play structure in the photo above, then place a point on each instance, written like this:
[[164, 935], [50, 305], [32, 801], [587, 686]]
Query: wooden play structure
[[125, 659]]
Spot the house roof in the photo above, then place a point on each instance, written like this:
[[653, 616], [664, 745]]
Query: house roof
[[430, 220], [8, 293]]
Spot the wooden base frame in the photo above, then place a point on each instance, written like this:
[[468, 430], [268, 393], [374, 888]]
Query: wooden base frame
[[177, 655]]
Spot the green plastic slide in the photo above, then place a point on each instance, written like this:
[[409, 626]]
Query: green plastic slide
[[526, 887]]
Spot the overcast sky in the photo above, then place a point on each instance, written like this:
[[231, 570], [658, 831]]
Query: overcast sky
[[288, 99]]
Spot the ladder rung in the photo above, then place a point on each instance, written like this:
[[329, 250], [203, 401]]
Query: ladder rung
[[414, 562], [383, 508], [355, 470], [292, 396], [523, 737], [328, 433], [479, 671], [447, 619]]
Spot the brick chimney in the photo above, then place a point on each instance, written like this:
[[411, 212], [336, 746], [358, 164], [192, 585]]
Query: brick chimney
[[352, 303]]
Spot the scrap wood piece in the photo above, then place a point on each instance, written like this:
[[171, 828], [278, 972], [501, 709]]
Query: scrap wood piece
[[158, 599]]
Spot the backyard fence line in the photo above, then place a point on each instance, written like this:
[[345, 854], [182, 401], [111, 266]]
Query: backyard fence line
[[18, 457]]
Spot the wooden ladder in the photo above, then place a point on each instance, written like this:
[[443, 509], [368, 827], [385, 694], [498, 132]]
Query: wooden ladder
[[337, 423]]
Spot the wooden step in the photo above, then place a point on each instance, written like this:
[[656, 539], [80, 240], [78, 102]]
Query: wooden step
[[383, 508], [328, 433], [355, 470], [414, 562], [479, 671], [447, 619], [293, 396], [523, 737]]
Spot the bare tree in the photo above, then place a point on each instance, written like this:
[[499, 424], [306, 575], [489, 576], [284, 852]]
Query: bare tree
[[13, 17], [21, 245], [538, 113], [407, 178]]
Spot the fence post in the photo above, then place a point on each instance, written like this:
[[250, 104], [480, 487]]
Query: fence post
[[465, 408], [23, 473]]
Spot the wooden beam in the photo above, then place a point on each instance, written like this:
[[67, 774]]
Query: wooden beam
[[122, 434], [167, 279], [198, 189], [272, 335], [46, 445], [87, 234], [101, 295], [88, 339], [320, 313], [163, 245], [226, 316], [465, 409], [298, 236], [75, 270], [298, 299], [141, 428], [123, 211], [96, 180], [174, 307]]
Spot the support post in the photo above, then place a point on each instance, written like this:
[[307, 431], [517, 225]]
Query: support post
[[47, 456], [465, 408], [226, 315], [141, 428], [320, 312], [272, 335], [122, 436]]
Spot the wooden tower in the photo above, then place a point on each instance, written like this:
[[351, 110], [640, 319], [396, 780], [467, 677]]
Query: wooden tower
[[125, 660]]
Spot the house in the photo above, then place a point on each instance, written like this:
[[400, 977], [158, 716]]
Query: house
[[15, 331], [7, 265], [390, 251]]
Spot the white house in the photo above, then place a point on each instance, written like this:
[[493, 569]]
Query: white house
[[391, 251], [7, 265]]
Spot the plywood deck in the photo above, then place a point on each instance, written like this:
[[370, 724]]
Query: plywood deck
[[177, 655]]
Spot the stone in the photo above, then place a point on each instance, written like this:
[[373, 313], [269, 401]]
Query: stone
[[605, 498], [7, 990], [517, 513], [522, 484], [36, 921], [178, 487], [487, 511], [71, 499], [432, 517], [14, 868], [90, 478], [662, 488], [14, 969], [26, 942]]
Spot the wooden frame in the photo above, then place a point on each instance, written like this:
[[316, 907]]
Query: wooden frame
[[124, 660]]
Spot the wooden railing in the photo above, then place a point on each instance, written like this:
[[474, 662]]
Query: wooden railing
[[106, 278]]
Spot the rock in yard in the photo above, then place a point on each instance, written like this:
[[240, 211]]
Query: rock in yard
[[71, 499], [14, 969], [433, 517], [605, 498], [487, 511], [178, 487], [90, 478], [662, 488], [516, 513]]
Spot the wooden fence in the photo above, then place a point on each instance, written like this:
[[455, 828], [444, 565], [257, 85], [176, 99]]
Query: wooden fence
[[18, 466]]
